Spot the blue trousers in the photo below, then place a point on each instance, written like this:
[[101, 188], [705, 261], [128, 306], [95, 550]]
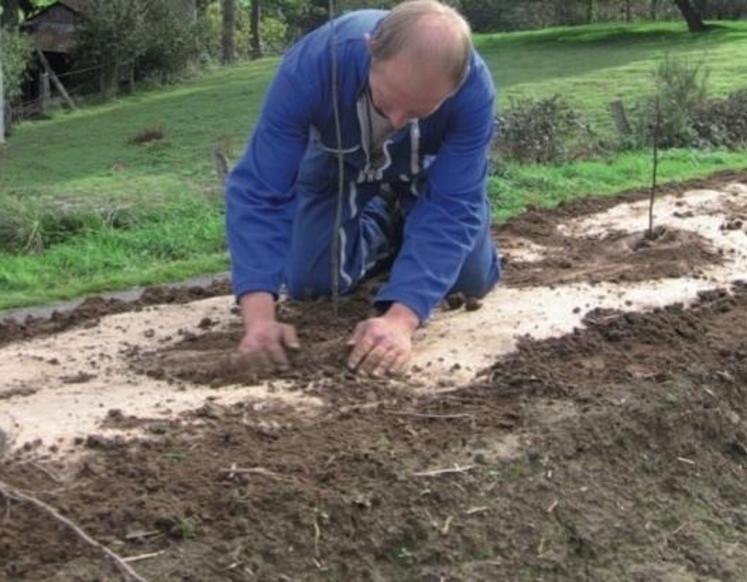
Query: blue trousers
[[370, 235]]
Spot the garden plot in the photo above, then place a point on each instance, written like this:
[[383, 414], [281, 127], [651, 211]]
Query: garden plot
[[586, 421], [162, 361]]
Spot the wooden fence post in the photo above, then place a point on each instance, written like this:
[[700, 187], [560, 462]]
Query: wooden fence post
[[58, 85], [2, 107], [621, 120], [45, 93]]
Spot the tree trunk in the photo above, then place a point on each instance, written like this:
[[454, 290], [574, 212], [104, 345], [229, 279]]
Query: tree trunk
[[228, 49], [2, 106], [254, 26], [562, 13], [654, 9], [628, 16], [109, 80], [9, 18], [589, 11], [201, 7], [692, 16]]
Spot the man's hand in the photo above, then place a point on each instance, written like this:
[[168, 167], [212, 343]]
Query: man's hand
[[265, 340], [384, 344]]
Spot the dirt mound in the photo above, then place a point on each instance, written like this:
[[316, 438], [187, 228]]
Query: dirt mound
[[616, 452], [617, 257]]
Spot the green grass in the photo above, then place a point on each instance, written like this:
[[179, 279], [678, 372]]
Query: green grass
[[518, 186], [592, 65], [149, 213]]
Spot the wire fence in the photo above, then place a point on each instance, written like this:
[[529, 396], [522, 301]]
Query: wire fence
[[31, 107]]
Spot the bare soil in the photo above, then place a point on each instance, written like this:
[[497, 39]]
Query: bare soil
[[616, 452]]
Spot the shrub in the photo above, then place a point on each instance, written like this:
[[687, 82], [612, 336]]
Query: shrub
[[681, 93], [723, 122], [152, 133], [543, 131], [15, 55]]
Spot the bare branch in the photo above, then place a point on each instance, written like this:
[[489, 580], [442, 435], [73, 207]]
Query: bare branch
[[11, 493]]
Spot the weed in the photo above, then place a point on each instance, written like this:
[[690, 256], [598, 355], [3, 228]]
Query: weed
[[151, 133], [183, 529], [681, 88]]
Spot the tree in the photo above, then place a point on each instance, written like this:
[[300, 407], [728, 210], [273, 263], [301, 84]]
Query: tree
[[254, 27], [228, 47], [110, 36], [2, 103], [692, 15], [15, 55], [140, 37], [9, 18]]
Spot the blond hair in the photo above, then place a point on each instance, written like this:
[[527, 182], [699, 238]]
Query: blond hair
[[433, 33]]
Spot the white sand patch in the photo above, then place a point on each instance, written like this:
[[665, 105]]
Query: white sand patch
[[458, 344], [39, 398], [523, 250], [66, 405]]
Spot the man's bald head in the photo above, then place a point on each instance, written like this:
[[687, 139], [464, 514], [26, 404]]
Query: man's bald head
[[431, 35]]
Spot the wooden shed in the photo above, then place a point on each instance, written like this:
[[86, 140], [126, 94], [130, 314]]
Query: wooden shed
[[54, 29], [53, 32]]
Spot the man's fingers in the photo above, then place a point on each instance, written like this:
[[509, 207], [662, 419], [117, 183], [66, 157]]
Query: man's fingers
[[290, 338], [381, 361], [357, 333], [277, 355], [360, 352], [376, 362], [400, 364]]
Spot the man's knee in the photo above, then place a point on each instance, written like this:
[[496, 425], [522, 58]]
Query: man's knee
[[476, 280], [306, 284]]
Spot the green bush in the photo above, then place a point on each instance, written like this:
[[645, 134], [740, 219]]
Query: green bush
[[15, 54], [723, 122], [681, 88], [543, 131]]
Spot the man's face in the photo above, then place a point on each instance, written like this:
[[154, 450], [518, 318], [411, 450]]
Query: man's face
[[402, 93]]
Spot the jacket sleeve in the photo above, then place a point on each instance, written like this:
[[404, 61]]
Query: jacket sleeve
[[259, 190], [443, 226]]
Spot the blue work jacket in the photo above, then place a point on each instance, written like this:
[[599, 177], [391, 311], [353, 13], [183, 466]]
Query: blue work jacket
[[442, 159]]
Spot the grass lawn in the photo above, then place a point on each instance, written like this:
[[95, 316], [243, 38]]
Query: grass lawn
[[83, 209]]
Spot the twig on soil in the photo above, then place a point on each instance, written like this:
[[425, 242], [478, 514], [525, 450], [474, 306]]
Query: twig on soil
[[10, 493], [317, 535], [139, 535], [366, 406], [680, 528], [47, 472], [473, 510], [433, 416], [447, 524], [686, 461], [552, 506], [143, 556], [437, 472], [233, 470]]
